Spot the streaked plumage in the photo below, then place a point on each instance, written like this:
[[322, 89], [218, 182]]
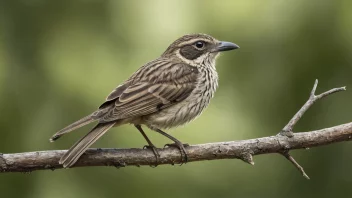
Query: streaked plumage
[[167, 92]]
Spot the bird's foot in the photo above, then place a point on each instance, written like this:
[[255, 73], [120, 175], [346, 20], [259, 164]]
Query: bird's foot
[[156, 153], [181, 147]]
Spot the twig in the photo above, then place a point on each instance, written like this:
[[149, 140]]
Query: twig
[[294, 162], [312, 99], [287, 130]]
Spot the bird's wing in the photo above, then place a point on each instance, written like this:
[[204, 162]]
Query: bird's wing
[[151, 89]]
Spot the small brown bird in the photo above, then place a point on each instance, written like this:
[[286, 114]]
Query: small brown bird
[[164, 93]]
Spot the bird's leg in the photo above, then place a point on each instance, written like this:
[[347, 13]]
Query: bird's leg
[[178, 144], [150, 144]]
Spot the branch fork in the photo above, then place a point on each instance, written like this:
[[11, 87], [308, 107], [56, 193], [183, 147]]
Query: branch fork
[[288, 129]]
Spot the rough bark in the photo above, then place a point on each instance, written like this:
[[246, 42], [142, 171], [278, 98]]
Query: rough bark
[[243, 149]]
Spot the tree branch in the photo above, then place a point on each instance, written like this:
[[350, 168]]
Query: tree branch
[[287, 130], [312, 99], [243, 149]]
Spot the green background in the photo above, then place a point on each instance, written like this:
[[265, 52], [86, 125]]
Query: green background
[[60, 59]]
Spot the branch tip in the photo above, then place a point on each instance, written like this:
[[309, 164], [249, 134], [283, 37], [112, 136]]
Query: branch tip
[[248, 158], [295, 163], [312, 93], [331, 91]]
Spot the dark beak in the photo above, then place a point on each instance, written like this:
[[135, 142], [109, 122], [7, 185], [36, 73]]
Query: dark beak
[[226, 46]]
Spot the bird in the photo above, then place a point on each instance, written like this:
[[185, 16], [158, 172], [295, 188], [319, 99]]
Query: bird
[[167, 92]]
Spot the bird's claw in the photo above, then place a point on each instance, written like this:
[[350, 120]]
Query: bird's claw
[[181, 147], [156, 153]]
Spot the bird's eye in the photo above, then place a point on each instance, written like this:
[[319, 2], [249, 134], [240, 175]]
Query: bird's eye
[[199, 44]]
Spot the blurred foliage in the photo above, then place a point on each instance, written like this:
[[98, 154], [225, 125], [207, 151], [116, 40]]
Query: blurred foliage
[[59, 59]]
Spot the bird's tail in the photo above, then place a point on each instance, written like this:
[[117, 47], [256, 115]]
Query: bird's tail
[[72, 155], [84, 121]]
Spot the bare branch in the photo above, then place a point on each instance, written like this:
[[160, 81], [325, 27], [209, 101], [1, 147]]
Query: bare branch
[[287, 130], [41, 160], [243, 149], [295, 163], [312, 93]]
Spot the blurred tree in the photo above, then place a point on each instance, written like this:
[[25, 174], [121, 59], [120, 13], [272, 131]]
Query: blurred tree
[[59, 59]]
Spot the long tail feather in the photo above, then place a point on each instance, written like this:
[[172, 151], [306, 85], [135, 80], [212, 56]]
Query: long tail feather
[[84, 121], [72, 155]]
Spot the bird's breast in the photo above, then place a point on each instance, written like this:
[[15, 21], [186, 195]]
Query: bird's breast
[[190, 108]]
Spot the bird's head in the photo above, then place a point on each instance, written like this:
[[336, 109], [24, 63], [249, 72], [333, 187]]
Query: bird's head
[[197, 49]]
